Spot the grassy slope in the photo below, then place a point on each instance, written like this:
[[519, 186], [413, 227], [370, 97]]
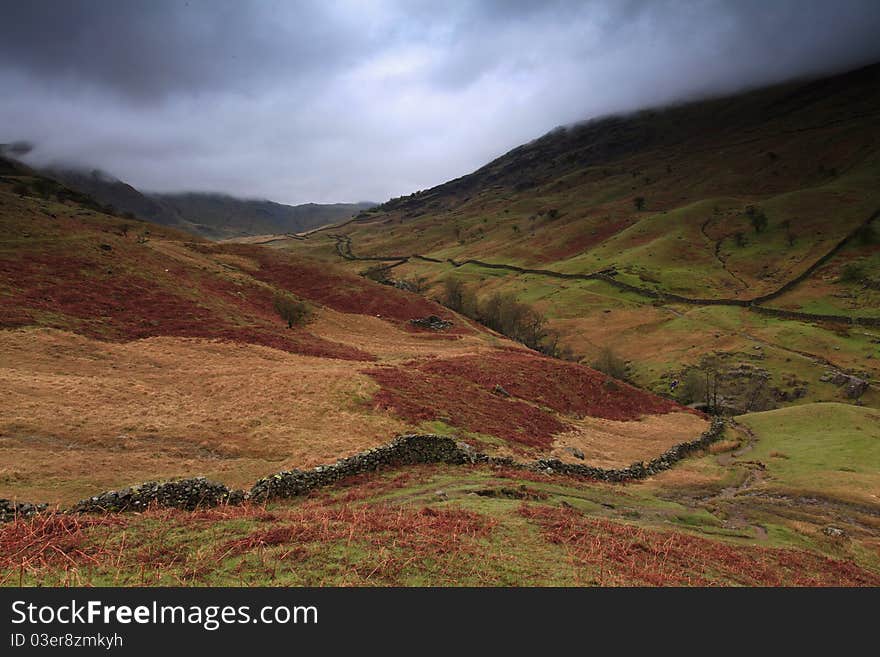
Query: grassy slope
[[805, 153], [820, 448], [455, 525], [739, 516]]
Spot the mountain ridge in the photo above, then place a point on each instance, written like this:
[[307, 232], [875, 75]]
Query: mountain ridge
[[213, 215]]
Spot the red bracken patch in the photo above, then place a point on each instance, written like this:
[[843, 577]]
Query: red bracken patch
[[51, 540], [428, 532], [461, 392], [567, 388], [340, 291], [628, 555], [579, 243], [419, 396], [98, 294]]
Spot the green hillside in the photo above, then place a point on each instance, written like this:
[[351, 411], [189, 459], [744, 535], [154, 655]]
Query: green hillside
[[740, 230]]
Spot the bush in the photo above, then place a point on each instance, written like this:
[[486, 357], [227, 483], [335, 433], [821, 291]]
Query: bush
[[417, 284], [639, 202], [377, 274], [692, 387], [757, 218], [610, 363], [292, 310], [504, 314], [457, 297], [854, 272]]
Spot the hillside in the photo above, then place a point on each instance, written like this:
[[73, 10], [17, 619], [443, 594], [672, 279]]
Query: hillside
[[109, 323], [215, 216], [736, 234], [133, 351]]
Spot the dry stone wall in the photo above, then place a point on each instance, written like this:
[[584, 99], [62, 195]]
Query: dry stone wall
[[408, 449]]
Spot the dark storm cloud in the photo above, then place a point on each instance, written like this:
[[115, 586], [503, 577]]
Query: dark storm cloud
[[149, 49], [320, 101]]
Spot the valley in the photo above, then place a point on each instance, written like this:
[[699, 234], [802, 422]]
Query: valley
[[585, 304]]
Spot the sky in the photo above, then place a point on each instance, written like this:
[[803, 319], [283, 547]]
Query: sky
[[360, 100]]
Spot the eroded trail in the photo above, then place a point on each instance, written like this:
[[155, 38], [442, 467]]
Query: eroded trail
[[716, 250]]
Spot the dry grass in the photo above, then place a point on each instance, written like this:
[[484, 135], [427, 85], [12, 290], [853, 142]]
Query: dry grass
[[388, 342], [79, 415], [610, 443], [723, 446]]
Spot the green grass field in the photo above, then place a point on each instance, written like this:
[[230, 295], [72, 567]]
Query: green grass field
[[826, 449]]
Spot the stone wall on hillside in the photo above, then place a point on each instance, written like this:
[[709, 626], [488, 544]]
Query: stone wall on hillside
[[181, 494], [10, 510], [429, 448], [407, 449], [403, 450]]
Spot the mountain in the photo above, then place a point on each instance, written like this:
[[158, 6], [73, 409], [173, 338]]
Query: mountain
[[117, 195], [218, 216], [215, 216], [737, 234]]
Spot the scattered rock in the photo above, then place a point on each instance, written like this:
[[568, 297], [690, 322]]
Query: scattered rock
[[575, 452], [431, 322], [834, 532], [854, 386], [499, 390], [521, 493]]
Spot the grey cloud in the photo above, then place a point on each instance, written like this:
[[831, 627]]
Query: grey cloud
[[317, 101]]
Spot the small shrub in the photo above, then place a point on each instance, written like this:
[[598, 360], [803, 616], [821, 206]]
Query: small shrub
[[417, 284], [853, 273], [377, 274], [292, 310], [757, 218], [639, 203], [457, 297]]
